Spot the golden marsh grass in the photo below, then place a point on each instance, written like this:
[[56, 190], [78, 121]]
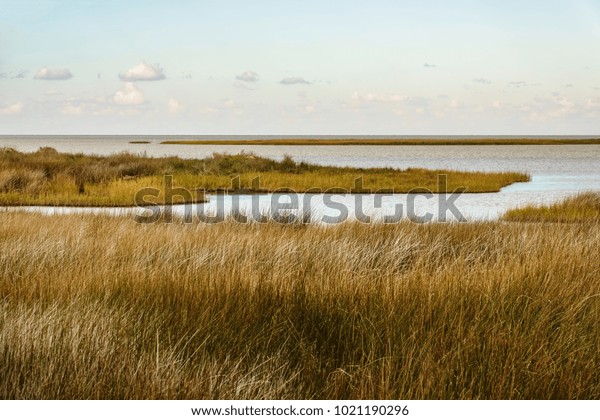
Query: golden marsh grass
[[47, 177], [388, 142], [102, 307], [583, 207]]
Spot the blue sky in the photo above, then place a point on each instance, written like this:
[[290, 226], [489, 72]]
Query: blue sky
[[299, 67]]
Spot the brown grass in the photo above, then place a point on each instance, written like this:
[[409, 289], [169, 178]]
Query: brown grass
[[583, 207], [388, 142], [47, 177], [102, 307]]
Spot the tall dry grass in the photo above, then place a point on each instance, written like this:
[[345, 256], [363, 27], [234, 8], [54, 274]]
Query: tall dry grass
[[47, 177], [582, 207], [102, 307]]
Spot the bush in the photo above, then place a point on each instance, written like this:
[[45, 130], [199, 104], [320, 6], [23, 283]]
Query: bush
[[22, 181]]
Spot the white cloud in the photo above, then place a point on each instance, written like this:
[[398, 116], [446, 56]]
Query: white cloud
[[52, 74], [294, 81], [247, 76], [483, 81], [227, 107], [592, 103], [551, 108], [143, 72], [229, 104], [373, 97], [129, 95], [174, 106], [208, 110], [565, 107], [70, 109], [12, 109], [52, 92]]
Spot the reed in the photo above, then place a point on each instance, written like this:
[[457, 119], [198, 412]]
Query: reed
[[47, 177], [101, 307], [583, 207]]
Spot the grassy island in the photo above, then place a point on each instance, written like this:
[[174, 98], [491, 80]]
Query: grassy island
[[387, 142], [47, 177]]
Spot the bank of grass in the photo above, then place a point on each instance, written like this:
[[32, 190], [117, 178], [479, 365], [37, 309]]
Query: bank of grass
[[583, 207], [102, 307], [387, 142], [47, 177]]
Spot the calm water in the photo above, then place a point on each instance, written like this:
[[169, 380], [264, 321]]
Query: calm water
[[557, 171]]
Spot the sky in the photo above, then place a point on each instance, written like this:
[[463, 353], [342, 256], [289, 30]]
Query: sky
[[300, 67]]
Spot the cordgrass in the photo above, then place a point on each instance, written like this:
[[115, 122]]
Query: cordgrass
[[47, 177], [583, 207], [101, 307], [386, 142]]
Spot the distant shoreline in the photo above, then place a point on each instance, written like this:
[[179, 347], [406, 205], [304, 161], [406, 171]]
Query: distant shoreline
[[387, 142]]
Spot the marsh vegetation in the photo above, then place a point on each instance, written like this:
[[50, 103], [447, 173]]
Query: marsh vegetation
[[388, 142], [583, 207], [47, 177], [102, 307]]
